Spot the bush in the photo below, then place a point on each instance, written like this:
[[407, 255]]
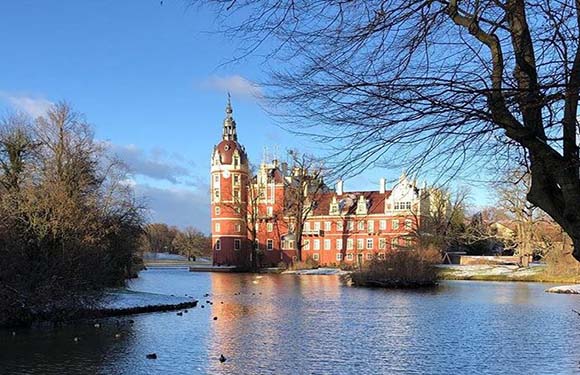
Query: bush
[[400, 269], [69, 226], [307, 264]]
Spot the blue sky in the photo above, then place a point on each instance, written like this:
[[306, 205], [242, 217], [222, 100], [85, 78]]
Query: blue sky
[[150, 78]]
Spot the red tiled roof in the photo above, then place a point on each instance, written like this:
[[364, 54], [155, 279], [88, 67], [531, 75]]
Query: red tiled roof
[[375, 198]]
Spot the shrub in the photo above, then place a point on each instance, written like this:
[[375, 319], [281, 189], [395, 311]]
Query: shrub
[[400, 269], [307, 264]]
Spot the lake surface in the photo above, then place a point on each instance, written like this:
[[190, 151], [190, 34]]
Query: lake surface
[[288, 324]]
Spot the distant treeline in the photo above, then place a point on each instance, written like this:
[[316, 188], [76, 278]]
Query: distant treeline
[[69, 223], [161, 238]]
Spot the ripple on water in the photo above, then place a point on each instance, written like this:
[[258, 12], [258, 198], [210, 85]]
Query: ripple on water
[[314, 325]]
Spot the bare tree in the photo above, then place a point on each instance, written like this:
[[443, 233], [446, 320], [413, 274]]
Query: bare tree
[[302, 190], [434, 82]]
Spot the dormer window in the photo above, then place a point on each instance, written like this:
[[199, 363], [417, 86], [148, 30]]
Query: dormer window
[[334, 207], [400, 206], [236, 161], [361, 206]]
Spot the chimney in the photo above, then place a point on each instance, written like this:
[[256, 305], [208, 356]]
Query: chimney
[[382, 185], [339, 187]]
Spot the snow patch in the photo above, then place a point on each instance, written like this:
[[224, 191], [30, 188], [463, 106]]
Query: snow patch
[[565, 289], [318, 271], [127, 299]]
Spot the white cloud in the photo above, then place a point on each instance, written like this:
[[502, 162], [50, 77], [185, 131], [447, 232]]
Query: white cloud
[[175, 206], [34, 106], [235, 84], [155, 164]]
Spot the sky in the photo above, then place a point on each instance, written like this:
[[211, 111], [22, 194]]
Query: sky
[[152, 78]]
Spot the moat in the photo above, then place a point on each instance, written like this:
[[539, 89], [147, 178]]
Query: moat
[[288, 324]]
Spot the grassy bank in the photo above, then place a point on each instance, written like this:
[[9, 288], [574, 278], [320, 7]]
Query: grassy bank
[[504, 273]]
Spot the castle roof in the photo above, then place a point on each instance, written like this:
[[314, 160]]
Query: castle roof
[[347, 202]]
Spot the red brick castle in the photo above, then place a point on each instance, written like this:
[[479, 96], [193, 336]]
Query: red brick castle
[[344, 227]]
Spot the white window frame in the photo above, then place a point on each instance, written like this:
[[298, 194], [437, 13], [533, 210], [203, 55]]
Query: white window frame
[[339, 226], [306, 245], [383, 225], [237, 244], [315, 257], [269, 211], [327, 226], [307, 226], [269, 227], [394, 242], [369, 256], [339, 244], [371, 226], [290, 244], [218, 227], [350, 225], [371, 243], [339, 257], [327, 244], [382, 243], [217, 210], [218, 245], [349, 244], [361, 225], [269, 244], [316, 244], [360, 243], [317, 225], [350, 257], [238, 228], [395, 224], [408, 224]]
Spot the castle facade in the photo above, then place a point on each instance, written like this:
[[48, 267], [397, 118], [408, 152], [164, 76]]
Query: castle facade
[[251, 227]]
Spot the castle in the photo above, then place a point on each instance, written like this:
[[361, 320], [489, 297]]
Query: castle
[[250, 224]]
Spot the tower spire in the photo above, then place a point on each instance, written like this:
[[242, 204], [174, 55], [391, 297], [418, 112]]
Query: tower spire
[[229, 132]]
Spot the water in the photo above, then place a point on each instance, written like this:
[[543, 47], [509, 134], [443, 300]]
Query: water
[[286, 324]]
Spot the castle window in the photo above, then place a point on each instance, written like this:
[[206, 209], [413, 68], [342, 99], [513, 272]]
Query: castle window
[[269, 227], [369, 243], [291, 245], [326, 244], [395, 224], [217, 227], [349, 256], [361, 225], [394, 242], [238, 228], [360, 244], [306, 245], [217, 211], [236, 161], [237, 244], [371, 226], [327, 225], [316, 244], [317, 225], [315, 257], [408, 224], [237, 195], [349, 244], [270, 211], [402, 206], [369, 256], [339, 244], [339, 257], [236, 180], [339, 226], [361, 206], [216, 194], [382, 243], [350, 225], [269, 244], [218, 245], [306, 226], [383, 225]]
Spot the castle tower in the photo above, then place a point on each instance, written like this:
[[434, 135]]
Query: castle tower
[[229, 191]]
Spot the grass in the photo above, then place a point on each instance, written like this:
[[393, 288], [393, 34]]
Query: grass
[[541, 275]]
